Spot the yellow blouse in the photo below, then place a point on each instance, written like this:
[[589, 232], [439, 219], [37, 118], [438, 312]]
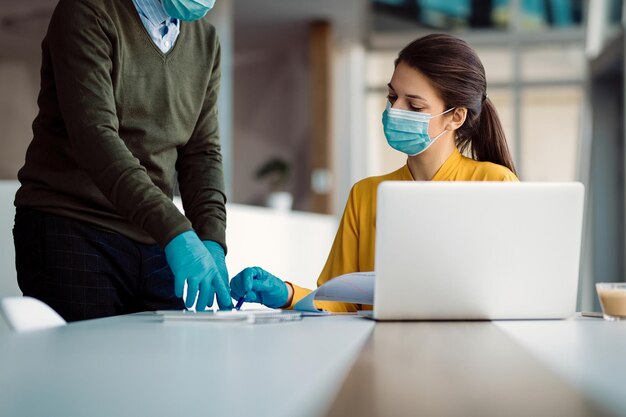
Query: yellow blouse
[[353, 247]]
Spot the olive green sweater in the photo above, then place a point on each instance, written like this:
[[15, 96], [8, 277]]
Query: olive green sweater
[[117, 118]]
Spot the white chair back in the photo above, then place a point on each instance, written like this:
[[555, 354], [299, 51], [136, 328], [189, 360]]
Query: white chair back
[[8, 275], [24, 314]]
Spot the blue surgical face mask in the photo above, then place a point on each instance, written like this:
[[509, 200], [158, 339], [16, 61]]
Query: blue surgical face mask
[[188, 9], [407, 131]]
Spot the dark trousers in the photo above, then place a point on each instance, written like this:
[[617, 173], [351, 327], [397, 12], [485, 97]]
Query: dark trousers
[[83, 272]]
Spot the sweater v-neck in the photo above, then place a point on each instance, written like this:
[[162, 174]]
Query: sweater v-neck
[[165, 56]]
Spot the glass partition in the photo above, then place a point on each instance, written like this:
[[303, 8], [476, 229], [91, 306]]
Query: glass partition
[[478, 14]]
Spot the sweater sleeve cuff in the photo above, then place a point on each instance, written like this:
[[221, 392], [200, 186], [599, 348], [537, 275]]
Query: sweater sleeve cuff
[[213, 229], [333, 306], [298, 294]]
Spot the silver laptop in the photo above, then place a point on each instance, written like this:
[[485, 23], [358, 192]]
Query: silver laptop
[[477, 250]]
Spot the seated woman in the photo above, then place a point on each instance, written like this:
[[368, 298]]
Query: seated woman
[[437, 112]]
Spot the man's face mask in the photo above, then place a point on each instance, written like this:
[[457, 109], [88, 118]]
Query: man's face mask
[[188, 9]]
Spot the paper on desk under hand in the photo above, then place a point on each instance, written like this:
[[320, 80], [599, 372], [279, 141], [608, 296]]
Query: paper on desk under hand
[[357, 288]]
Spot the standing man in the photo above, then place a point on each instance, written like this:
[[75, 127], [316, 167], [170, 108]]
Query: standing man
[[128, 102]]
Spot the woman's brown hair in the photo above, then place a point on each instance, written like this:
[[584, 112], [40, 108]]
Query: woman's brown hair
[[456, 72]]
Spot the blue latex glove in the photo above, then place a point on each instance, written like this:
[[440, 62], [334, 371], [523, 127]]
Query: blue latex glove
[[257, 285], [217, 252], [191, 261]]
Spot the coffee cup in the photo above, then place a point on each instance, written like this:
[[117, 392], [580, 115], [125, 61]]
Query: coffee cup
[[612, 297]]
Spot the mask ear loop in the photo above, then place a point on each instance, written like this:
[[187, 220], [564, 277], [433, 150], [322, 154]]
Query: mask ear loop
[[444, 130], [444, 112], [439, 135]]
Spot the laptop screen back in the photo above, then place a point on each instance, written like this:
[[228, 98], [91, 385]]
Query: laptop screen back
[[477, 250]]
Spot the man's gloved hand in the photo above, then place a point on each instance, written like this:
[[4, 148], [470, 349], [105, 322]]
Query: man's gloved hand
[[257, 285], [217, 252], [191, 261]]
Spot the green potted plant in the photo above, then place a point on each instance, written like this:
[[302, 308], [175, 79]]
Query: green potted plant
[[275, 172]]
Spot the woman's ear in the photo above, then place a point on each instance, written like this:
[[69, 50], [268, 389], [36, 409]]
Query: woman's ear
[[459, 114]]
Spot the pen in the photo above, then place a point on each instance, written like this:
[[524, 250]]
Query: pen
[[240, 301]]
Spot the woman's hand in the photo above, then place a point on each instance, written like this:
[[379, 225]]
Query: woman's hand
[[257, 285]]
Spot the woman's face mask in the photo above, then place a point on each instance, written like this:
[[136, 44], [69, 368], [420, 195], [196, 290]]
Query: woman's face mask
[[188, 9], [407, 131]]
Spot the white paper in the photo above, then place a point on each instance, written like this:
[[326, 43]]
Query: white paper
[[357, 288], [248, 316]]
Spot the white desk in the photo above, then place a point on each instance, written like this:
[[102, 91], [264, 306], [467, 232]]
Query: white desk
[[137, 366], [589, 354]]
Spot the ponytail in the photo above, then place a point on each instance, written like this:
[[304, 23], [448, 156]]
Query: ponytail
[[487, 141], [457, 74]]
